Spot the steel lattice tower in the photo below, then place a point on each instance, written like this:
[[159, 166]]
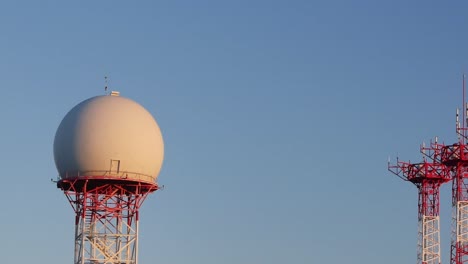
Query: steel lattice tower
[[106, 218], [428, 177], [455, 157]]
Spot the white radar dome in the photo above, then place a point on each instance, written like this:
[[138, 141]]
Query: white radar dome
[[109, 137]]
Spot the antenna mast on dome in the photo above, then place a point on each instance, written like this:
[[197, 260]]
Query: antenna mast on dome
[[106, 84]]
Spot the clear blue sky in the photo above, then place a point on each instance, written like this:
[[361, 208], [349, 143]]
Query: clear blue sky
[[278, 117]]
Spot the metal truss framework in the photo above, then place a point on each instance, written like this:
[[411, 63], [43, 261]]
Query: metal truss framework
[[428, 177], [106, 220]]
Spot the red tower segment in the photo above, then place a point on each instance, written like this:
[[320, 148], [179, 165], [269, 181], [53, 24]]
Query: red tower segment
[[428, 177]]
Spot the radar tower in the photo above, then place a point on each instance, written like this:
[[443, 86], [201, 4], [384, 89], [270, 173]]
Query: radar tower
[[108, 151]]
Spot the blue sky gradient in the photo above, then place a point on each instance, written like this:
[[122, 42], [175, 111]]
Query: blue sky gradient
[[278, 117]]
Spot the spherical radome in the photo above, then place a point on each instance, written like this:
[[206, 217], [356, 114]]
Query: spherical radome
[[109, 137]]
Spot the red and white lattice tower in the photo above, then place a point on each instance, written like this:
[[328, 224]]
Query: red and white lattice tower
[[108, 151], [428, 176], [455, 156]]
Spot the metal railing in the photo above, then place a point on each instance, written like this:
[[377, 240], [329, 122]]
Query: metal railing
[[107, 174]]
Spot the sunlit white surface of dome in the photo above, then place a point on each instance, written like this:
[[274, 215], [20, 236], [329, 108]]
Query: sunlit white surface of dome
[[109, 137]]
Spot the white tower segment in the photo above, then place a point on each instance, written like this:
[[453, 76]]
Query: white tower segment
[[108, 151]]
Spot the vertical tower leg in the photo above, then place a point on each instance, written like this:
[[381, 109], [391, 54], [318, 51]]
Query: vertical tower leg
[[78, 240]]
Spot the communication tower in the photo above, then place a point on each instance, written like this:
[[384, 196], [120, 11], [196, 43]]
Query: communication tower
[[455, 158], [428, 176], [108, 151]]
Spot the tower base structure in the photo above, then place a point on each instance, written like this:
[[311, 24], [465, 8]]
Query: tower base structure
[[106, 218]]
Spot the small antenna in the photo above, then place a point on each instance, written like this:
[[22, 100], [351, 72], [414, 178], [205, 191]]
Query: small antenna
[[457, 124], [466, 115], [423, 150], [105, 87], [464, 112]]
